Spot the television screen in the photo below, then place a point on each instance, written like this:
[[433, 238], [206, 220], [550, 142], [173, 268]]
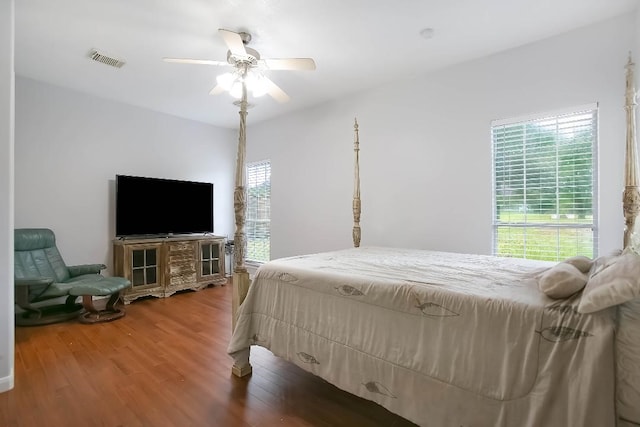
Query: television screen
[[162, 206]]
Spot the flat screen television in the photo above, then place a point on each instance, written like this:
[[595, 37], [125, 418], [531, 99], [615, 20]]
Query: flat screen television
[[156, 206]]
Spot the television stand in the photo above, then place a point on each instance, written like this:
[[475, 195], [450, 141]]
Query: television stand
[[163, 265]]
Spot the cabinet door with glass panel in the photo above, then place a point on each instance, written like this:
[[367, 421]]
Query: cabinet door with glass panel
[[211, 261], [145, 273]]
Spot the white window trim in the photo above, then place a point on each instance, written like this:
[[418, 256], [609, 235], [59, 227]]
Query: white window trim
[[534, 117]]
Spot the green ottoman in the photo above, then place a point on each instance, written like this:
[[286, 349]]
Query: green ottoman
[[105, 286]]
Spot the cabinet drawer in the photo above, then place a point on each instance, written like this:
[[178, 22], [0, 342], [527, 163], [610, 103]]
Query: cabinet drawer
[[181, 247], [182, 279], [176, 268], [181, 258]]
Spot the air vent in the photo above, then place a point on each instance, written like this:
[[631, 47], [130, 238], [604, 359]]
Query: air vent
[[97, 56]]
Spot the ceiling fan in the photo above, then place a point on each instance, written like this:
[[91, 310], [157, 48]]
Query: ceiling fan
[[248, 68]]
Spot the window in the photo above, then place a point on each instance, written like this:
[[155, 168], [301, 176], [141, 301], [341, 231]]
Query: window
[[258, 218], [544, 185]]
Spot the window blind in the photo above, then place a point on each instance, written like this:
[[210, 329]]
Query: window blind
[[258, 216], [544, 186]]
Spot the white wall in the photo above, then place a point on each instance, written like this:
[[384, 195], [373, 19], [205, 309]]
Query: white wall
[[426, 148], [69, 147], [6, 194]]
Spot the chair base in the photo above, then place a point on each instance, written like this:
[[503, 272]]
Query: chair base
[[113, 310], [101, 316], [48, 314]]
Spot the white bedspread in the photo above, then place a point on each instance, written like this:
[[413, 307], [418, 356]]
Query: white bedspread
[[441, 339]]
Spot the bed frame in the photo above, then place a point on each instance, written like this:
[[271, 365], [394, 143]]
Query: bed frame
[[631, 194], [241, 280]]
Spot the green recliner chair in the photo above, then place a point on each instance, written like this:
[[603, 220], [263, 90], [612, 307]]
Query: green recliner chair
[[42, 277]]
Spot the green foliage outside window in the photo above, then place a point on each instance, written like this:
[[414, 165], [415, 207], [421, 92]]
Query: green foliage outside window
[[544, 187]]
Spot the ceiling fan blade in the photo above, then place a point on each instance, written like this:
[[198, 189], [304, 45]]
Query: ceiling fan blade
[[217, 90], [275, 91], [233, 42], [288, 64], [195, 61]]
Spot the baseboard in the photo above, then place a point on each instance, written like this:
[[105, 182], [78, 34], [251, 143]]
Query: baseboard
[[6, 383]]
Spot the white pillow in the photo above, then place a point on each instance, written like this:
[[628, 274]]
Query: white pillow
[[580, 262], [615, 283], [562, 280]]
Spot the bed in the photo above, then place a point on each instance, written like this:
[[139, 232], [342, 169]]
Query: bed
[[446, 339]]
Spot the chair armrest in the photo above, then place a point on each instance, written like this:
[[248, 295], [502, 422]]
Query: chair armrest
[[79, 270], [33, 281]]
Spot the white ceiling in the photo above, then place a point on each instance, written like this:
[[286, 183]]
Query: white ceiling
[[357, 44]]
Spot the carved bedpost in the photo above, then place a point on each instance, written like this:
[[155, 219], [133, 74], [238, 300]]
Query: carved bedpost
[[631, 194], [241, 279], [356, 190]]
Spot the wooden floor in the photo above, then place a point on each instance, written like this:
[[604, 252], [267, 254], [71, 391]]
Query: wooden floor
[[165, 364]]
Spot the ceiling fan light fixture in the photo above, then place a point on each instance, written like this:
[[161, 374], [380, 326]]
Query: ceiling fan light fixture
[[226, 80], [232, 83], [256, 84], [248, 67], [236, 89]]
